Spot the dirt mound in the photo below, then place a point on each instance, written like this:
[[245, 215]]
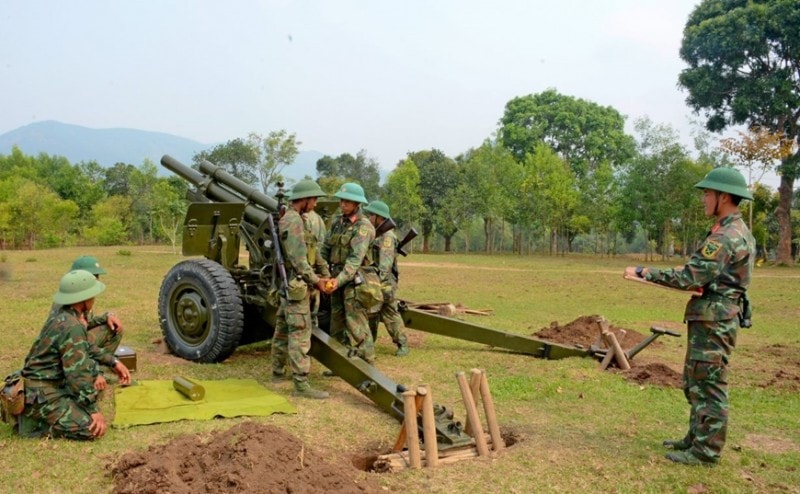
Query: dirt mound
[[653, 373], [248, 457], [584, 331]]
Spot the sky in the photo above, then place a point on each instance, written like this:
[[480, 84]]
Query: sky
[[388, 77]]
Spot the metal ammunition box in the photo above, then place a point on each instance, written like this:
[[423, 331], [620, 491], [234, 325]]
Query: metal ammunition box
[[127, 356]]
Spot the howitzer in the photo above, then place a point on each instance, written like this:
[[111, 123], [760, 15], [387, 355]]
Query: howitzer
[[209, 306]]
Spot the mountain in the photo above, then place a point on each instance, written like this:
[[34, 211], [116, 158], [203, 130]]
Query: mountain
[[110, 146]]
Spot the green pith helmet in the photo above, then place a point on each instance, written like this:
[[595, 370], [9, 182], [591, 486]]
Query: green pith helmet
[[378, 207], [305, 188], [351, 192], [77, 286], [728, 180], [88, 263]]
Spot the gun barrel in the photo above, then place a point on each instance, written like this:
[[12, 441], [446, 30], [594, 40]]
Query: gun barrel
[[249, 193], [212, 189]]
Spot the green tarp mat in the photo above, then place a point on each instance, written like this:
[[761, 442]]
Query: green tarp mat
[[152, 402]]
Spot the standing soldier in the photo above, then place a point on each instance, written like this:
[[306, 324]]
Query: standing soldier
[[292, 338], [60, 375], [318, 231], [385, 258], [346, 249], [722, 269]]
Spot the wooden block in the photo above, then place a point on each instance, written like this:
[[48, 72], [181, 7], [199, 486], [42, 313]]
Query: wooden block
[[472, 413], [491, 415], [410, 422], [429, 427]]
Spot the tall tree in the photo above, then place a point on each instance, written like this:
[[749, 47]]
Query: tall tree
[[438, 175], [402, 193], [744, 68], [275, 151], [237, 156], [360, 168]]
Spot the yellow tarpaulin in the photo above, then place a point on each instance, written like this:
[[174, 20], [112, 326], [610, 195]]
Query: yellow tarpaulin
[[152, 402]]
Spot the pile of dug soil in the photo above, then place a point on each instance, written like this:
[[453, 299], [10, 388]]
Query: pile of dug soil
[[248, 457], [584, 332]]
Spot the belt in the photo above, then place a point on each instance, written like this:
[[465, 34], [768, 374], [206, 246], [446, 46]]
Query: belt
[[715, 297], [43, 383]]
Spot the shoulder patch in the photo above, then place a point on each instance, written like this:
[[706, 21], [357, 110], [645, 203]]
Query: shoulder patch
[[362, 230], [710, 249], [387, 242]]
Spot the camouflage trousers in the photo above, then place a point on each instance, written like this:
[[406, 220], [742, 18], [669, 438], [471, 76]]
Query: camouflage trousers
[[391, 318], [56, 412], [350, 324], [292, 339], [105, 338], [705, 385]]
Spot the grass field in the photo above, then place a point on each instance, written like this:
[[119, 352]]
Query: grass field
[[577, 429]]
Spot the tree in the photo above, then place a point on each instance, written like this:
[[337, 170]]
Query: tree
[[110, 221], [118, 179], [169, 210], [438, 175], [274, 152], [743, 61], [360, 168], [237, 156], [583, 133], [402, 193]]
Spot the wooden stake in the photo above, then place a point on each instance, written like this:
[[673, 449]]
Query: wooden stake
[[607, 359], [491, 415], [428, 426], [412, 432], [400, 443], [472, 413], [475, 388], [622, 360]]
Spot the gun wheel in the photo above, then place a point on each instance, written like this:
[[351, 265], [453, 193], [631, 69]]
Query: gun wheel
[[200, 309]]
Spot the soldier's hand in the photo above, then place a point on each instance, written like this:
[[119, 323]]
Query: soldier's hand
[[100, 383], [114, 323], [98, 425], [123, 373], [331, 285], [321, 284]]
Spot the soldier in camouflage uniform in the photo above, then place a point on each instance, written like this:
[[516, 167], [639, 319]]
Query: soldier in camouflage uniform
[[348, 248], [61, 386], [104, 331], [384, 256], [318, 231], [721, 268], [292, 338]]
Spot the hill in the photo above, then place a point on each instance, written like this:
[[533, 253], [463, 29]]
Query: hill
[[110, 146]]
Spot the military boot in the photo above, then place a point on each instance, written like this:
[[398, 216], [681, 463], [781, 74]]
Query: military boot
[[304, 390], [278, 377], [687, 458], [402, 351], [678, 445]]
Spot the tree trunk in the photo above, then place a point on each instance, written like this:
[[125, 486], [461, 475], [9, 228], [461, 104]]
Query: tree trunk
[[487, 234], [783, 214], [447, 243], [425, 244]]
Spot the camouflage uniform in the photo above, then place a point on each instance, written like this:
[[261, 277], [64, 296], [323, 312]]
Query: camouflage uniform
[[318, 232], [722, 267], [59, 378], [347, 248], [103, 341], [292, 338], [385, 258]]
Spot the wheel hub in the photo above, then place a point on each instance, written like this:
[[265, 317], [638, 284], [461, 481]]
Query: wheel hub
[[191, 315]]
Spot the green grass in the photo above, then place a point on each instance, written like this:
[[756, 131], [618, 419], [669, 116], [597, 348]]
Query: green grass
[[577, 429]]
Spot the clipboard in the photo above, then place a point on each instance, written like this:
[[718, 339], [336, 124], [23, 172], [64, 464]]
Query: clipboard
[[650, 283]]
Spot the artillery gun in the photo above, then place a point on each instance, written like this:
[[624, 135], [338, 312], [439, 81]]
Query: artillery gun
[[211, 305]]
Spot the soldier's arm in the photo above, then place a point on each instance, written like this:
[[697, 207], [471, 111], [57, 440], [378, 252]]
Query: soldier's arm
[[386, 253], [359, 245], [704, 266], [80, 369], [294, 247], [100, 355]]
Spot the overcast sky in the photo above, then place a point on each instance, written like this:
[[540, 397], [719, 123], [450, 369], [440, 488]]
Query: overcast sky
[[385, 76]]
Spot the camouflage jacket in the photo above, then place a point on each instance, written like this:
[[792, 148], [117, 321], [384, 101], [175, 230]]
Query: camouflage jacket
[[295, 238], [348, 246], [384, 254], [721, 268], [318, 231], [61, 354], [98, 354]]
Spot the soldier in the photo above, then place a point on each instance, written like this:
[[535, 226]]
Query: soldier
[[104, 331], [722, 269], [384, 255], [60, 375], [318, 230], [292, 338], [347, 248]]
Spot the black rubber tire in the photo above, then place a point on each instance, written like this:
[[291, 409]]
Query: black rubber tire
[[200, 309]]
